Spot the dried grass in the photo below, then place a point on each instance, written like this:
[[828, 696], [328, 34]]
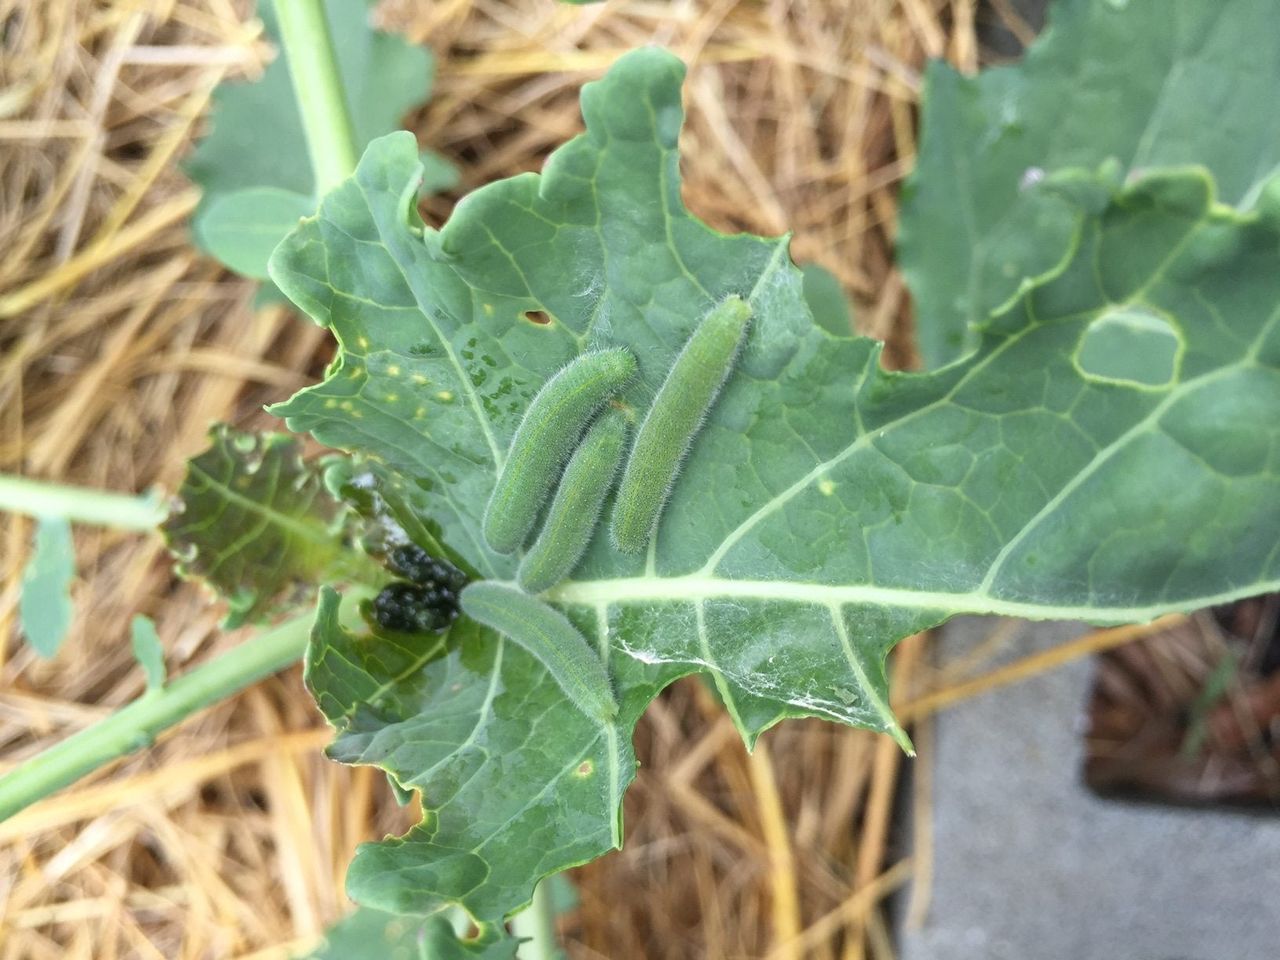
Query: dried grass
[[119, 344]]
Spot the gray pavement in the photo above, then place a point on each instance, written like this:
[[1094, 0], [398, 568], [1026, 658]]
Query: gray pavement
[[1031, 866]]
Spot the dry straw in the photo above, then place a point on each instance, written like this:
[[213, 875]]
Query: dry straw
[[119, 344]]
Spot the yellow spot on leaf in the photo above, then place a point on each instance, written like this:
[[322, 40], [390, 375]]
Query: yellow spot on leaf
[[826, 487]]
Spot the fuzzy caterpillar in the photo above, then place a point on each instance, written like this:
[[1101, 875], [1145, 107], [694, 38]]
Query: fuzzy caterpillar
[[674, 419], [550, 638], [545, 438], [575, 510]]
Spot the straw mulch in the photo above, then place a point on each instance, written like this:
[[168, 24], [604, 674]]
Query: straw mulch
[[119, 344]]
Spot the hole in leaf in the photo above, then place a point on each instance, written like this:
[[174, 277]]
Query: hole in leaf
[[1131, 345], [540, 317]]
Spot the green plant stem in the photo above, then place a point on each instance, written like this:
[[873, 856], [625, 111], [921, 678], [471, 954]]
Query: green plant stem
[[326, 121], [536, 924], [80, 504], [137, 725]]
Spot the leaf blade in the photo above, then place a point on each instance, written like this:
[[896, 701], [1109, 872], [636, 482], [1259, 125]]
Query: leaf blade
[[827, 508], [45, 610], [474, 734], [148, 651], [255, 522], [242, 227], [1147, 85], [231, 159]]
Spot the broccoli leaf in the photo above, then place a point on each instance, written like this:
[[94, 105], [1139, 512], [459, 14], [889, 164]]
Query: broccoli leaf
[[255, 522], [242, 227], [148, 651], [367, 934], [826, 299], [1141, 84], [253, 167], [44, 608], [827, 508]]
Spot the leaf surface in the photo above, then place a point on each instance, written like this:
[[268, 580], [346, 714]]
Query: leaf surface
[[242, 227], [257, 142], [45, 610], [255, 522], [518, 782], [826, 299], [827, 508], [1142, 84], [367, 934], [148, 651]]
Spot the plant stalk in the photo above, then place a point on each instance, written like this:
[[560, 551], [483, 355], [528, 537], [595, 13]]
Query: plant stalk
[[536, 924], [326, 121], [81, 504], [136, 726]]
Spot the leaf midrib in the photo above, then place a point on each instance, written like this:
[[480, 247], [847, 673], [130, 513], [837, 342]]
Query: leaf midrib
[[698, 588], [309, 532]]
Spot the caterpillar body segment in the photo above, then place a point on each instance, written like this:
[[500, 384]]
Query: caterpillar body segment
[[549, 637], [677, 413], [546, 436], [575, 510]]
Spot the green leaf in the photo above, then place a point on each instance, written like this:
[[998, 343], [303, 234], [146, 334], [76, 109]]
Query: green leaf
[[257, 142], [442, 943], [564, 896], [44, 609], [1143, 84], [368, 934], [827, 509], [148, 651], [438, 173], [242, 227], [402, 796], [826, 300], [255, 522], [500, 755]]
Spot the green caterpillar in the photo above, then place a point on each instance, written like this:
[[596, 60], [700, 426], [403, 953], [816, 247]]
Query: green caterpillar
[[550, 638], [545, 438], [673, 421], [575, 510]]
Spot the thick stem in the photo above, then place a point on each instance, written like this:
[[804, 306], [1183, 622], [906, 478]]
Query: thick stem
[[536, 924], [80, 504], [137, 725], [308, 48]]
